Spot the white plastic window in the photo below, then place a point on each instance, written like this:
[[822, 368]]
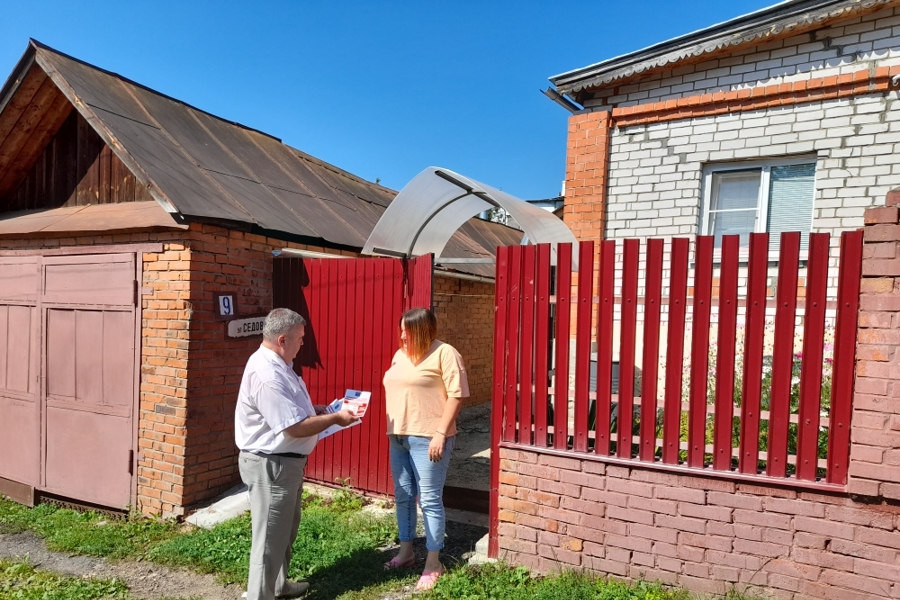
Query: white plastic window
[[773, 196]]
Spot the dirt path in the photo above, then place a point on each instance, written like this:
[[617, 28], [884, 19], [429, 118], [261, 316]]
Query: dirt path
[[145, 580]]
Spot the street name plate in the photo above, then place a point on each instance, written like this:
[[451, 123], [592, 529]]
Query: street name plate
[[239, 328]]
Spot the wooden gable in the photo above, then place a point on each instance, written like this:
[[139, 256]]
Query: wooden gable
[[51, 157]]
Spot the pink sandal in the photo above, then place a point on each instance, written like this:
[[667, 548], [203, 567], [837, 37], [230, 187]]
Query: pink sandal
[[395, 563], [428, 580]]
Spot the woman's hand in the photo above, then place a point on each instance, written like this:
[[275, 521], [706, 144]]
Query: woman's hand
[[436, 447]]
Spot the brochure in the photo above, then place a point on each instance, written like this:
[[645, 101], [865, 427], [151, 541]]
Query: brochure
[[353, 400]]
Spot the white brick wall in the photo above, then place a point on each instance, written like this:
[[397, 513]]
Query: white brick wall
[[656, 170]]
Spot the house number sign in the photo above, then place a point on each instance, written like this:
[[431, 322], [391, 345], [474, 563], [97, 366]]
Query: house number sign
[[225, 306], [239, 328]]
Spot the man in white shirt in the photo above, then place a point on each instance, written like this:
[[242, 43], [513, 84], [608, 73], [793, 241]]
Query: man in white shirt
[[276, 428]]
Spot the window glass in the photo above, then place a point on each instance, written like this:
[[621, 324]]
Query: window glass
[[792, 189], [734, 204]]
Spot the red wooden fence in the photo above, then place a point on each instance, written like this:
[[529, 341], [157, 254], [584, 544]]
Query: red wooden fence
[[751, 416]]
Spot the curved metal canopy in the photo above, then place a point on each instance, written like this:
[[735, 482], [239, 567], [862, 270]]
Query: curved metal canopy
[[437, 202]]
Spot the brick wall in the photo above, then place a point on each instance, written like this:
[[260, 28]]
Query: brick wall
[[875, 453], [198, 460], [825, 93], [705, 534], [465, 313], [190, 372]]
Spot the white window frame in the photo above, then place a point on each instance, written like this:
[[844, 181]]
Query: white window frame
[[762, 201]]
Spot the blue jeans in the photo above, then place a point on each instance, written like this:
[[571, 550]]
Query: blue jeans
[[415, 475]]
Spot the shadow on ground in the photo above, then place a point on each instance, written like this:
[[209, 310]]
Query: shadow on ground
[[365, 569]]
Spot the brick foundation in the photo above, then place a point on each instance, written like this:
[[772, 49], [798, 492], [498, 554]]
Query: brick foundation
[[699, 532]]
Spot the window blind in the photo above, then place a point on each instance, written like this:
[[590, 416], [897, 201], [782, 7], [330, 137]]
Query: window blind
[[791, 193]]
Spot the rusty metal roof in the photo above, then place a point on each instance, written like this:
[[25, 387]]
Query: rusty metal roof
[[90, 218], [200, 167]]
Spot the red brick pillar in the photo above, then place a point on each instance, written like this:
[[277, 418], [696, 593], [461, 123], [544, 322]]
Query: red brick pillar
[[587, 174], [875, 438]]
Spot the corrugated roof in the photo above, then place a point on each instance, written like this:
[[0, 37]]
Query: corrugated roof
[[90, 218], [199, 166], [780, 20]]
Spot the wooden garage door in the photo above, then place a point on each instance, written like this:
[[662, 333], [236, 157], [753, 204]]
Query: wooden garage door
[[67, 375], [19, 408], [88, 358]]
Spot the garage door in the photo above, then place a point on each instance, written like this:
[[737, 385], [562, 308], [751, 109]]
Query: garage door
[[82, 434]]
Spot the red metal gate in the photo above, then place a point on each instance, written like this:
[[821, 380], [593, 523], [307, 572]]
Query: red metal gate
[[352, 308], [67, 375]]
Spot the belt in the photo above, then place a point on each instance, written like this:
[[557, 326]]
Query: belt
[[284, 454]]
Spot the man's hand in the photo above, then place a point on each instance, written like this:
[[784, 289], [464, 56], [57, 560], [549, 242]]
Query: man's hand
[[345, 417], [320, 409]]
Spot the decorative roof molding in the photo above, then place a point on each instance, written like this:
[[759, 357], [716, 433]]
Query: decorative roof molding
[[778, 21]]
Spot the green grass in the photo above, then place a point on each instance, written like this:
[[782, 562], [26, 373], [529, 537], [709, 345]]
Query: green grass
[[502, 582], [339, 550], [20, 581], [89, 533]]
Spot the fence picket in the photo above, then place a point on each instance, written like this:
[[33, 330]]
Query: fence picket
[[812, 359], [561, 365], [512, 340], [783, 354], [724, 400], [542, 345], [842, 369], [526, 343], [606, 289], [678, 276], [625, 417], [703, 267], [652, 309], [501, 303], [583, 343], [751, 391]]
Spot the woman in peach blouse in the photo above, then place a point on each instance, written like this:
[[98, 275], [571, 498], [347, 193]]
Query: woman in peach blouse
[[424, 388]]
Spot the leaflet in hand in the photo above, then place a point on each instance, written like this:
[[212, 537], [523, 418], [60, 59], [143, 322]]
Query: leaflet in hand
[[353, 400]]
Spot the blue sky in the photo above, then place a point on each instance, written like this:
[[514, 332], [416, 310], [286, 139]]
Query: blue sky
[[381, 89]]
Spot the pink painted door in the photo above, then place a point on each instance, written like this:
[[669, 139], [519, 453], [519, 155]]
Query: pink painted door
[[89, 377], [19, 406]]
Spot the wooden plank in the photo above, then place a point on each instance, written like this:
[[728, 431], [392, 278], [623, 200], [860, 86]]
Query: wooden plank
[[812, 360], [652, 320], [23, 156], [678, 276], [542, 345], [12, 113], [563, 332], [703, 267], [526, 353], [584, 309], [783, 354], [88, 174], [849, 277], [105, 180], [606, 284], [724, 399], [630, 266], [751, 391]]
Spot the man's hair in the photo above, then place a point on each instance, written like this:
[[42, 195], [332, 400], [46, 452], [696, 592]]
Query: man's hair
[[421, 330], [279, 322]]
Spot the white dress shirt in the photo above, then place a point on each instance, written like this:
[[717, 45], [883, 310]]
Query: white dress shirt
[[271, 399]]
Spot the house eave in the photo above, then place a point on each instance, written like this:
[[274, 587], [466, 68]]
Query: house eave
[[781, 20]]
